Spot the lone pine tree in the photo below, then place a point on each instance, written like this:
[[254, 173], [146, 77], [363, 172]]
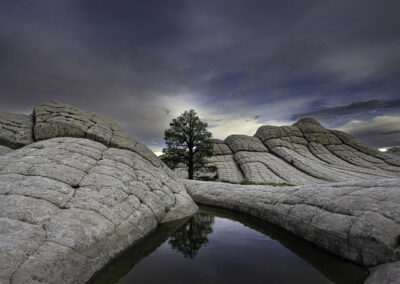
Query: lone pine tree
[[187, 142]]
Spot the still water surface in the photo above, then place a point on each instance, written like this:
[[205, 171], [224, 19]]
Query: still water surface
[[218, 246]]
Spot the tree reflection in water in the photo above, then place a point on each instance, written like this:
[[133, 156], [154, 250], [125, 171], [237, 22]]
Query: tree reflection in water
[[190, 237]]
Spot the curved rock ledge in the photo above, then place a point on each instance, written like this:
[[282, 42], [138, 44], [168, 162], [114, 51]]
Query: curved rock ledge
[[53, 119], [225, 163], [395, 151], [359, 221], [304, 153]]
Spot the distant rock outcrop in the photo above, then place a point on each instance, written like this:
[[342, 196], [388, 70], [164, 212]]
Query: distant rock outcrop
[[69, 204], [304, 153], [16, 130]]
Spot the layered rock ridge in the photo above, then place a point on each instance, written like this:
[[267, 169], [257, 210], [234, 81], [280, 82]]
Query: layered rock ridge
[[347, 198], [69, 205], [304, 153], [395, 151]]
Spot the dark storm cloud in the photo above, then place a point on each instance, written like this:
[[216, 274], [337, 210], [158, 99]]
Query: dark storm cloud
[[353, 109], [141, 63], [380, 131]]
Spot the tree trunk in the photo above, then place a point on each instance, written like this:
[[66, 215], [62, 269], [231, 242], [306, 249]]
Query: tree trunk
[[190, 163]]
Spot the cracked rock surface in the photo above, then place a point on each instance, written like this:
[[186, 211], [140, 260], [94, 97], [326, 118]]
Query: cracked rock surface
[[81, 194], [359, 220], [304, 153], [394, 150], [15, 130], [224, 161], [76, 190], [68, 205], [53, 119]]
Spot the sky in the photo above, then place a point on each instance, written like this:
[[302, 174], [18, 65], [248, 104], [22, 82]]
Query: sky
[[239, 64]]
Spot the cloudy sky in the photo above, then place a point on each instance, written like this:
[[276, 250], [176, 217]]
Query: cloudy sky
[[239, 64]]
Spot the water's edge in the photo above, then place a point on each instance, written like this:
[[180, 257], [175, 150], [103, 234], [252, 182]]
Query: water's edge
[[332, 267]]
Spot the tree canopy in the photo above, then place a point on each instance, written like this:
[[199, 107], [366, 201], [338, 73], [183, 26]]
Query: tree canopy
[[187, 142]]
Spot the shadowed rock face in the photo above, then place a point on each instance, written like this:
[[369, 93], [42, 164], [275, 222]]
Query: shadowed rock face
[[68, 205], [304, 153], [15, 130]]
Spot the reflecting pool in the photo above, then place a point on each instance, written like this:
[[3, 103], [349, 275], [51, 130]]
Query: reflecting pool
[[219, 246]]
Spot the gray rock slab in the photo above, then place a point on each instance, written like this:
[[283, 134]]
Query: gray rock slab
[[384, 274], [263, 167], [227, 168], [15, 130], [69, 205], [221, 149], [304, 153], [358, 220], [394, 150], [4, 149], [54, 119], [245, 143]]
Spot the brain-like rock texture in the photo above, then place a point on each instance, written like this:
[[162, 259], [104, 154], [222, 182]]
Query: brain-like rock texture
[[224, 161], [304, 153], [68, 205], [76, 190], [358, 220], [60, 120]]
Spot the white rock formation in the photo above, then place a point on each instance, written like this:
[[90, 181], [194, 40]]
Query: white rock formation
[[76, 190], [304, 153], [69, 205], [223, 160], [358, 220]]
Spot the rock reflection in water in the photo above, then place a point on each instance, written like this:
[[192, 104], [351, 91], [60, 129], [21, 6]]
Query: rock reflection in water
[[219, 246], [193, 235]]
